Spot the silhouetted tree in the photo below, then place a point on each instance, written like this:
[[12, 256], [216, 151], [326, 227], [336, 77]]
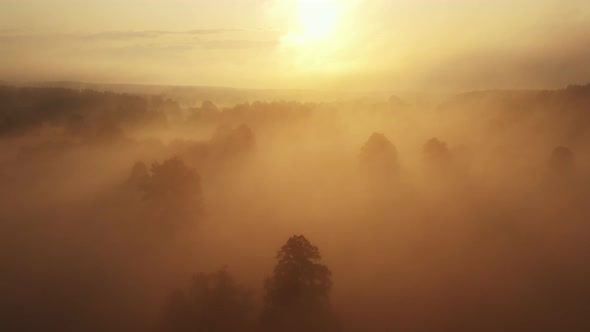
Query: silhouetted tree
[[173, 189], [298, 293], [214, 303], [208, 107], [229, 143], [378, 157], [437, 155]]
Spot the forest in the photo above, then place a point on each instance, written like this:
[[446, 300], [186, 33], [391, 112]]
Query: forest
[[146, 212]]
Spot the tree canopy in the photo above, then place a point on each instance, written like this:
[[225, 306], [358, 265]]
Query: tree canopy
[[297, 293], [173, 189], [378, 157]]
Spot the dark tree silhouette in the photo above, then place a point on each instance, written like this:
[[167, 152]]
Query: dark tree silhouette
[[234, 140], [378, 157], [437, 155], [208, 106], [228, 145], [298, 293], [173, 190], [214, 303]]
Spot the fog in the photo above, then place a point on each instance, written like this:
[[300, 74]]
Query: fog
[[461, 213]]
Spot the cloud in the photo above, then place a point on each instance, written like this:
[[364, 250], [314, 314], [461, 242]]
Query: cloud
[[115, 35], [210, 31], [120, 35], [237, 44], [123, 35]]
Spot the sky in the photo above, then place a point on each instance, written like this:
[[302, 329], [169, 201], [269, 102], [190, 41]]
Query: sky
[[293, 44]]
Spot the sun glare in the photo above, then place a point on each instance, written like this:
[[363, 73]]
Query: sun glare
[[314, 38], [317, 18]]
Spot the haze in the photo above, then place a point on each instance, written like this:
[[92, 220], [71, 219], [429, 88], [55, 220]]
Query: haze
[[325, 44], [294, 166]]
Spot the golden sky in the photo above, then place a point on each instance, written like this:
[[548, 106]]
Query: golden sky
[[318, 44]]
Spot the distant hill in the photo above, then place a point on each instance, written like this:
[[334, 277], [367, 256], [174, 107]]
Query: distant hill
[[194, 95], [563, 114]]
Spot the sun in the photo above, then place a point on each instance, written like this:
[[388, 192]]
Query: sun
[[316, 36], [317, 19]]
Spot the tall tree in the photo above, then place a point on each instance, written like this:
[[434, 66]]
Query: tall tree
[[378, 160], [298, 292], [173, 190], [438, 159]]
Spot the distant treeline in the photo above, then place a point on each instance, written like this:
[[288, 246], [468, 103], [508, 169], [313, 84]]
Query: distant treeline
[[75, 111], [22, 109], [25, 108]]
